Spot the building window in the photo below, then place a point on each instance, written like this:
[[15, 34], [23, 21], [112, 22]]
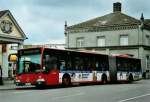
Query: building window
[[101, 41], [147, 40], [80, 42], [124, 40]]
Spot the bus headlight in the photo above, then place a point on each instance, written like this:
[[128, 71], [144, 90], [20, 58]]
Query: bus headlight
[[40, 80], [18, 81]]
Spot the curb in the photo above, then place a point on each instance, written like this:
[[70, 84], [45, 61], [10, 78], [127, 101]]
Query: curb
[[8, 85]]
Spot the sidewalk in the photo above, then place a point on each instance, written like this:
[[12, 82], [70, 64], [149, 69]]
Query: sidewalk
[[8, 85]]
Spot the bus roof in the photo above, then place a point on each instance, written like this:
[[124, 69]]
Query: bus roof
[[83, 51], [80, 51]]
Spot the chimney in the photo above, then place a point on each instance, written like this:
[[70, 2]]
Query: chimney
[[142, 17], [117, 7]]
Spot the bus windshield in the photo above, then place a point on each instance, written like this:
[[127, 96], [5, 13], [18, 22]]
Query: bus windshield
[[29, 63]]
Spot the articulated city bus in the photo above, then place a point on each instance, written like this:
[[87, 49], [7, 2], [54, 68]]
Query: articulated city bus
[[46, 66]]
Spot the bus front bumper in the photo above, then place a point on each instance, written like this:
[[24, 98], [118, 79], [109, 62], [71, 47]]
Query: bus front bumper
[[19, 83]]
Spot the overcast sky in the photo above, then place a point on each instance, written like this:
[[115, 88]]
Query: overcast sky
[[43, 20]]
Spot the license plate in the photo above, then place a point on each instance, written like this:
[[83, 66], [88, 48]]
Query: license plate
[[28, 83], [39, 82]]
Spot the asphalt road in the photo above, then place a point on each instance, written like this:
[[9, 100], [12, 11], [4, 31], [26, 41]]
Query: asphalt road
[[135, 92]]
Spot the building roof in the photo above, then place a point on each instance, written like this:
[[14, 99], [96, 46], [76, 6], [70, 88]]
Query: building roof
[[112, 19], [3, 12]]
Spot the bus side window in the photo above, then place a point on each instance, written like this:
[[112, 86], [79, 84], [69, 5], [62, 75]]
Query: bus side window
[[50, 62], [119, 64], [69, 65], [98, 64], [86, 63], [62, 65], [135, 65], [62, 62], [54, 62], [81, 63], [93, 64], [76, 63]]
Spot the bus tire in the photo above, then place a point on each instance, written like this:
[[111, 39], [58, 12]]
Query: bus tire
[[66, 80], [130, 78], [104, 79]]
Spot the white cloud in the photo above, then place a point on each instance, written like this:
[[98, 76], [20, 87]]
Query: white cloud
[[50, 41]]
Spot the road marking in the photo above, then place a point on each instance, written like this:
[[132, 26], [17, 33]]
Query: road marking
[[128, 99], [21, 92], [67, 96]]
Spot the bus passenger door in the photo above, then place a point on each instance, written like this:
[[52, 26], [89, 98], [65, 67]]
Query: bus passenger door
[[52, 71], [112, 69], [53, 77]]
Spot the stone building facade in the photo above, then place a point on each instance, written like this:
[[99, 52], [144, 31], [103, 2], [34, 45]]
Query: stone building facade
[[11, 35], [113, 34]]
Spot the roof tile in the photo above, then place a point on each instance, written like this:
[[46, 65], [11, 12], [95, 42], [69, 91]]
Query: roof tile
[[112, 19]]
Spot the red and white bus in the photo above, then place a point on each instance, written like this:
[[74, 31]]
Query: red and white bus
[[46, 66]]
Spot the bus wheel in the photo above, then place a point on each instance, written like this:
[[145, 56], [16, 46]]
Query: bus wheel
[[130, 78], [66, 81], [104, 79]]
